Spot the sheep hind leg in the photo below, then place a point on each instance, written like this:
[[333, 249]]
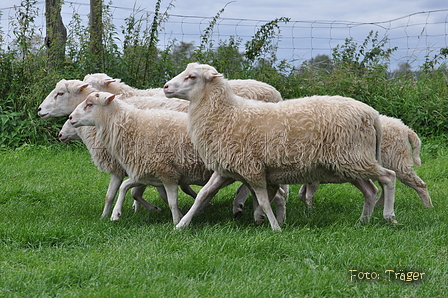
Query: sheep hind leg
[[114, 185], [387, 183], [242, 193], [370, 191], [137, 194], [188, 190], [411, 179], [210, 189], [172, 193], [264, 202], [162, 193], [307, 192]]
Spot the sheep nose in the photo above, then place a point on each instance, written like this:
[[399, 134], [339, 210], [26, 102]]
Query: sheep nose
[[70, 117], [39, 108], [166, 86]]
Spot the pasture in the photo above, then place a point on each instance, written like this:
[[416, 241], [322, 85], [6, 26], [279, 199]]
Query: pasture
[[53, 242]]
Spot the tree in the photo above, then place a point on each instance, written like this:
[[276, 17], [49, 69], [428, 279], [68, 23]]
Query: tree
[[321, 62], [404, 68], [56, 33]]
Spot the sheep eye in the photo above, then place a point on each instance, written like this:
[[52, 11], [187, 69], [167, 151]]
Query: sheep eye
[[193, 77], [60, 93]]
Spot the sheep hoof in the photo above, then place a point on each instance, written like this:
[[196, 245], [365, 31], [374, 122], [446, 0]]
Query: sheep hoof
[[115, 217], [238, 213], [180, 226], [259, 219]]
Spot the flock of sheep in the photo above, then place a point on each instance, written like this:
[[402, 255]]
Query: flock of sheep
[[202, 129]]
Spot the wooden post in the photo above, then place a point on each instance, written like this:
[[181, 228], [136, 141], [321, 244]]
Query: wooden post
[[96, 31], [56, 33]]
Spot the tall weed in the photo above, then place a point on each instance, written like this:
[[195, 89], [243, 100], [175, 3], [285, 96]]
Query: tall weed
[[355, 70]]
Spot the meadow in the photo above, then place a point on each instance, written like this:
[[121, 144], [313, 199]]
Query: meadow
[[53, 242]]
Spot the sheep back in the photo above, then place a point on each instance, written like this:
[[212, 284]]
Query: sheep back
[[293, 141], [151, 143]]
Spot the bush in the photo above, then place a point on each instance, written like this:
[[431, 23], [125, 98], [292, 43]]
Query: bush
[[358, 71]]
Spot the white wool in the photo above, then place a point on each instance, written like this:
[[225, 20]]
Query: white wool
[[400, 151], [290, 142], [152, 145]]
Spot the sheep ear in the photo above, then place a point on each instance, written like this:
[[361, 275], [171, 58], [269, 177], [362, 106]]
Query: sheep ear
[[108, 81], [212, 75], [110, 98], [82, 87]]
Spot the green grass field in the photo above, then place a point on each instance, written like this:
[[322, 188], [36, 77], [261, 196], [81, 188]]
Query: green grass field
[[53, 242]]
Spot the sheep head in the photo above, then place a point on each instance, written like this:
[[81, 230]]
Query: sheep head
[[194, 78], [63, 99], [68, 133], [86, 112], [99, 81]]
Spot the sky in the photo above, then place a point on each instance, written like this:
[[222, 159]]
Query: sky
[[366, 11]]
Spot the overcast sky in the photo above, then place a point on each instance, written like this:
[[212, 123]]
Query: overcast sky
[[366, 11], [346, 10]]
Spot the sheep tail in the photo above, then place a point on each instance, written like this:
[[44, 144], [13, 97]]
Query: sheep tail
[[379, 135], [416, 144]]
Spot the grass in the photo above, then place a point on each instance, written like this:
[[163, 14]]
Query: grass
[[54, 244]]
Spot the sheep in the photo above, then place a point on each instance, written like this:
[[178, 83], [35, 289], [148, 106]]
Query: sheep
[[245, 88], [69, 93], [106, 163], [397, 154], [152, 145], [294, 141], [103, 82], [64, 99]]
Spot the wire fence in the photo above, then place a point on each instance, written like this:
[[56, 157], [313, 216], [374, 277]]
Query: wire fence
[[417, 35]]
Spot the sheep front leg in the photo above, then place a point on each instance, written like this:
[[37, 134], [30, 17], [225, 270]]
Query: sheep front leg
[[172, 194], [114, 185], [210, 189], [124, 187], [263, 200], [279, 200]]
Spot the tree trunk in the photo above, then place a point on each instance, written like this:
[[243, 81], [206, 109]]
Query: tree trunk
[[56, 33]]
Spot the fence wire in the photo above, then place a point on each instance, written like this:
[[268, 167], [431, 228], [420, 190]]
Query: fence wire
[[417, 35]]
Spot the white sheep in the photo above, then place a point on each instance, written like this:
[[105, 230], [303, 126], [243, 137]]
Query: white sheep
[[152, 145], [400, 151], [103, 82], [295, 141], [106, 163], [65, 98], [252, 89], [68, 94]]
